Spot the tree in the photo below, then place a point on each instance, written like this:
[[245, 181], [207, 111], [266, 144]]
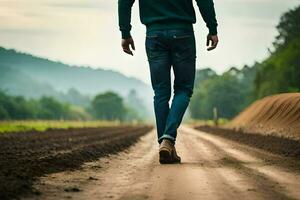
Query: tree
[[49, 108], [14, 107], [204, 74], [108, 106], [3, 113], [288, 28], [74, 97], [17, 107], [135, 106], [223, 92], [280, 72], [230, 92]]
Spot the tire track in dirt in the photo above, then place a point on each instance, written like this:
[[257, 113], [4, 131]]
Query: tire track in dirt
[[224, 178]]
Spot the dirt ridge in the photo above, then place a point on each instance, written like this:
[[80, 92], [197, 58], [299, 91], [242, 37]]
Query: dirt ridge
[[271, 143], [277, 115]]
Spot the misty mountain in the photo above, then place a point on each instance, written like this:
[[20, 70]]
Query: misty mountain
[[15, 82], [39, 76]]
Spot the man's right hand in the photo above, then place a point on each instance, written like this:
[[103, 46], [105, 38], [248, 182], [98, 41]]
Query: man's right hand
[[125, 45]]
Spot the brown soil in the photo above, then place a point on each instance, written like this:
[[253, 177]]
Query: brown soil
[[212, 168], [277, 115], [26, 156]]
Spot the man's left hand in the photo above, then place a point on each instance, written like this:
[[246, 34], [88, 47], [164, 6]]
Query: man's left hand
[[212, 42]]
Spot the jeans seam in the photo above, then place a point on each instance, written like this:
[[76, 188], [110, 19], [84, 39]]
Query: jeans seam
[[181, 37]]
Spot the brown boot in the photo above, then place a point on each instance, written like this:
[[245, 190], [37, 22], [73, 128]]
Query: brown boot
[[165, 152], [175, 157]]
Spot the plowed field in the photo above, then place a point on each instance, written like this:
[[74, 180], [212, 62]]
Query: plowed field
[[26, 156]]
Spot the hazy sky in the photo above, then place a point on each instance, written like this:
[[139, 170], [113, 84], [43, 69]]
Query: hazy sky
[[85, 32]]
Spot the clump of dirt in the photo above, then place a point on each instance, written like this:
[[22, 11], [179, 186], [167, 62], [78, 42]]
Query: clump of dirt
[[26, 156], [277, 115], [72, 189]]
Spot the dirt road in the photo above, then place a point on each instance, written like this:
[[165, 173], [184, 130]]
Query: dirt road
[[212, 168]]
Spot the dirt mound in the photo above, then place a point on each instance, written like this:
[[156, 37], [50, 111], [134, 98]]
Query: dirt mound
[[26, 156], [277, 115]]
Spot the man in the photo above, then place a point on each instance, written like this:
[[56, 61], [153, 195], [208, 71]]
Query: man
[[170, 42]]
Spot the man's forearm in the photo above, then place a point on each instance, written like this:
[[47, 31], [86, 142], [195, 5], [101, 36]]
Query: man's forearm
[[208, 14], [124, 9]]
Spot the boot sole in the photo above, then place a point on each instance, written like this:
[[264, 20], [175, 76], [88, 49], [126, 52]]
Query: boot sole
[[165, 157]]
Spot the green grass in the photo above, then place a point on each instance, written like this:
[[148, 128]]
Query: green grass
[[40, 125]]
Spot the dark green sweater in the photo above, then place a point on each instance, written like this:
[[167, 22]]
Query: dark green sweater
[[167, 14]]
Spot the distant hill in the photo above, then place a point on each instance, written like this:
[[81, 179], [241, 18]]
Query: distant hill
[[15, 82], [32, 76]]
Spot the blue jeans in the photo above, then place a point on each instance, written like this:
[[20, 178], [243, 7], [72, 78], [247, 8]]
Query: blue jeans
[[165, 49]]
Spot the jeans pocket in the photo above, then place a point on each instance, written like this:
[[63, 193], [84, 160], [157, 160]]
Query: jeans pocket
[[184, 47], [183, 40]]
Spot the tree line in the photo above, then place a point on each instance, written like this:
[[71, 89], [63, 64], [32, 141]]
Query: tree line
[[235, 89], [104, 106]]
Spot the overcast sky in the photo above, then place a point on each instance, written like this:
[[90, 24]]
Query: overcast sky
[[85, 32]]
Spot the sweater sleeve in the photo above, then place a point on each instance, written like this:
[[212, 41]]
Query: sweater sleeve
[[124, 10], [208, 14]]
